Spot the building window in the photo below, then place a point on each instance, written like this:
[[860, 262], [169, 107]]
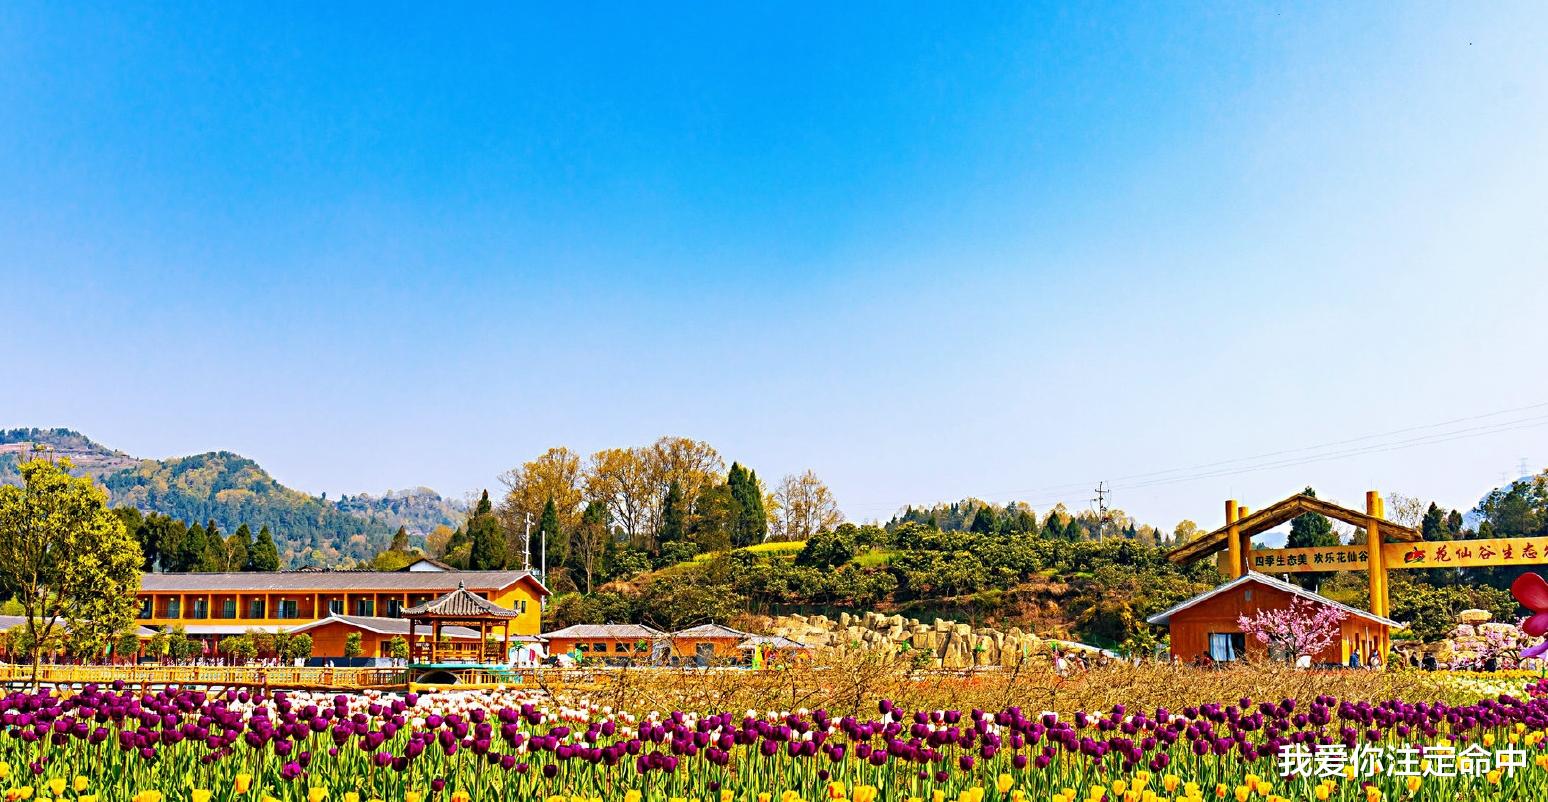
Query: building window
[[366, 607], [174, 608], [521, 606], [255, 608], [335, 606], [394, 608], [1226, 646], [201, 608], [145, 606], [287, 608], [599, 647], [228, 608]]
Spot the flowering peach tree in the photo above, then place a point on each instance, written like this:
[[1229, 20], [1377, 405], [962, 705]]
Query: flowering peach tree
[[1305, 628]]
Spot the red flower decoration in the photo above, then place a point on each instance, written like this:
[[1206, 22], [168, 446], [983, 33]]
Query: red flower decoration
[[1532, 592]]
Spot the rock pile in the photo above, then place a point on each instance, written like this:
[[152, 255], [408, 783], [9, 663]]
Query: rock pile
[[939, 644]]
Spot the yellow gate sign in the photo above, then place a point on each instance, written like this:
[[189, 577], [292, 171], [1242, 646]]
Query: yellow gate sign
[[1423, 554]]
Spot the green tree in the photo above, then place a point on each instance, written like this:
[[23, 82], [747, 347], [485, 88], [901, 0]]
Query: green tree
[[126, 647], [352, 645], [488, 551], [1311, 530], [751, 521], [300, 646], [548, 535], [398, 647], [238, 547], [985, 522], [264, 555], [239, 647], [400, 540], [672, 513], [63, 553]]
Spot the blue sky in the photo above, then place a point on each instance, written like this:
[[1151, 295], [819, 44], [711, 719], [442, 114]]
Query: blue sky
[[927, 251]]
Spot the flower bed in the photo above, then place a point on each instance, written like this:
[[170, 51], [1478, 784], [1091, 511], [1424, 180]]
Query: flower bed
[[111, 744]]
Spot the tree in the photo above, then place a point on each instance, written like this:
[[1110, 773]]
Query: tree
[[400, 540], [439, 539], [554, 476], [714, 518], [984, 521], [126, 646], [300, 645], [63, 553], [352, 645], [237, 546], [488, 551], [1303, 629], [1405, 510], [1185, 531], [805, 507], [397, 647], [588, 546], [750, 521], [239, 647], [548, 535], [620, 478], [264, 555], [672, 529], [1311, 530]]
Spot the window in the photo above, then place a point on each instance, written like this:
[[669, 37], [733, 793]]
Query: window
[[255, 608], [365, 607], [145, 606], [599, 647], [394, 608], [335, 606], [228, 608], [201, 608], [287, 608], [1226, 646], [521, 606], [174, 608]]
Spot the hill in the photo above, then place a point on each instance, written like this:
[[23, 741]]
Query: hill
[[232, 490]]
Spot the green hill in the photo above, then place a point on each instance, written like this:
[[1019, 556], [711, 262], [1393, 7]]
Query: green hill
[[232, 490]]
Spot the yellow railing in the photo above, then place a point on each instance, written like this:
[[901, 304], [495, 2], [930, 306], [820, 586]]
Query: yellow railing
[[225, 676]]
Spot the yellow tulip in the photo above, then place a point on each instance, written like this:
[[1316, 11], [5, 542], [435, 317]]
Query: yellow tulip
[[863, 793], [1413, 785], [1059, 798], [1493, 777], [726, 795], [86, 798], [632, 795], [460, 796], [1003, 783], [316, 794], [243, 783], [200, 795], [80, 783], [56, 785], [410, 796], [351, 796], [1242, 793]]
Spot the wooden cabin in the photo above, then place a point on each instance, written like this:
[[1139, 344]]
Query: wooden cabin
[[615, 643], [708, 643], [1206, 625], [329, 634]]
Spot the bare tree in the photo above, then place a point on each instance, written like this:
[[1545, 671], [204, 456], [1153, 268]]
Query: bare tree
[[805, 507]]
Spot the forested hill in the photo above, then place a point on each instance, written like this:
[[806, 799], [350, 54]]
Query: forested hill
[[232, 490]]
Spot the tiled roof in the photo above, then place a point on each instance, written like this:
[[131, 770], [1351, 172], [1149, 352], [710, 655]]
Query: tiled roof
[[315, 581], [710, 631], [389, 626], [606, 632], [1163, 618], [460, 603], [771, 642]]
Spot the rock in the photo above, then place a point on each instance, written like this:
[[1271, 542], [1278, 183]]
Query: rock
[[1474, 616]]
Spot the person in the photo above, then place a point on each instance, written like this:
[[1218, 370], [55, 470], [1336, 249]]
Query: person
[[1304, 661], [1430, 663], [1375, 662], [1354, 658]]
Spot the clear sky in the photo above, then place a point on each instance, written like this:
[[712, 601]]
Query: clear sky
[[928, 251]]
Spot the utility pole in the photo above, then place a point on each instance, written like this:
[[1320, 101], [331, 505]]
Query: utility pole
[[526, 542], [1101, 508]]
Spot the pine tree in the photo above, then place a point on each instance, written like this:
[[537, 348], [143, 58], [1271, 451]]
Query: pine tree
[[1053, 528], [547, 533], [751, 523], [488, 552], [191, 552], [1311, 530], [483, 507], [672, 512], [264, 556], [238, 546], [984, 521]]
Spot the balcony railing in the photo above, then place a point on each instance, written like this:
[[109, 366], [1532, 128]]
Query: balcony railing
[[458, 652]]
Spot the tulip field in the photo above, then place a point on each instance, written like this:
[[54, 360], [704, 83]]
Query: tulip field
[[112, 743]]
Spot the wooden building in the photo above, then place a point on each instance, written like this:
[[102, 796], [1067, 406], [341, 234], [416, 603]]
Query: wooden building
[[210, 606], [328, 634], [708, 643], [633, 643], [1206, 625]]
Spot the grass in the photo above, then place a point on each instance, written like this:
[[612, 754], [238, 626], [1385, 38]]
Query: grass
[[773, 548]]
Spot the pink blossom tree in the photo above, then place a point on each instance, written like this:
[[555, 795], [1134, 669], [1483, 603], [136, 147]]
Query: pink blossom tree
[[1303, 629]]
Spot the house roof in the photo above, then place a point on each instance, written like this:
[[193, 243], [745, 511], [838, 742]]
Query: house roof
[[317, 581], [226, 629], [605, 632], [1165, 617], [771, 642], [460, 603], [709, 631], [387, 626], [1281, 511], [9, 621]]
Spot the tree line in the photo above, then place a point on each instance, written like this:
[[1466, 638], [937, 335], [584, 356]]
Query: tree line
[[623, 511], [169, 544]]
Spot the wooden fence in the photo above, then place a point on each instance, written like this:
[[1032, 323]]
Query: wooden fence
[[279, 677]]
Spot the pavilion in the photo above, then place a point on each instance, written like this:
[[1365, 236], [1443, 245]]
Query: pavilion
[[463, 608]]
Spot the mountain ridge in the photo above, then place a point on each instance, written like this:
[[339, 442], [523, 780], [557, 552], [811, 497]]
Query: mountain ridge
[[231, 489]]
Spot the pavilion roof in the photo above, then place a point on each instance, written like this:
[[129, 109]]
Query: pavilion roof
[[461, 604]]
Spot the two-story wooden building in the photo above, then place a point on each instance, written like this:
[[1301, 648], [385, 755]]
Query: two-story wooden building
[[210, 606]]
